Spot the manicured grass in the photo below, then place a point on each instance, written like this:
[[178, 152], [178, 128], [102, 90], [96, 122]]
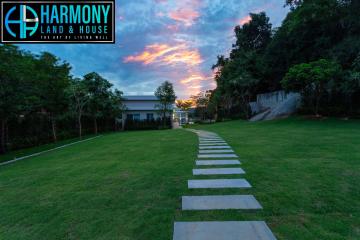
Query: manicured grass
[[28, 151], [119, 186], [305, 173], [126, 186]]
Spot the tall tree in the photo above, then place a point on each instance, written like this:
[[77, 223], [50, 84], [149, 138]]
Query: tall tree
[[53, 80], [115, 106], [99, 90], [166, 95], [293, 3], [254, 35], [202, 100], [16, 95], [80, 97], [240, 76]]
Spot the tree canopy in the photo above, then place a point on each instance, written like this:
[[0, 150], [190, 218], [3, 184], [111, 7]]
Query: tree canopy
[[262, 58], [166, 95], [40, 101]]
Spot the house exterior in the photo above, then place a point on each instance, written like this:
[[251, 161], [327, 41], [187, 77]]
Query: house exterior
[[140, 108], [180, 116]]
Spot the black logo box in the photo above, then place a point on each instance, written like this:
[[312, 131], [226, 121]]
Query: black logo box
[[38, 37]]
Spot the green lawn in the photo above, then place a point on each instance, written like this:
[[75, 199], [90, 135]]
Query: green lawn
[[119, 186], [306, 174], [29, 151], [125, 186]]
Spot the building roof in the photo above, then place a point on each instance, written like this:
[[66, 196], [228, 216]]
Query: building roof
[[140, 98]]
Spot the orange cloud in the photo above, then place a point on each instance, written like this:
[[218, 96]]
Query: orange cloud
[[196, 81], [187, 16], [164, 54], [245, 20], [192, 78]]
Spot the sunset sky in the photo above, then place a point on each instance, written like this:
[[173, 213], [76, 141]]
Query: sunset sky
[[158, 40]]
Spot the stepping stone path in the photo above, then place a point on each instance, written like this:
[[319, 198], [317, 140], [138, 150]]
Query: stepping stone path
[[246, 202], [217, 162], [213, 141], [214, 151], [213, 144], [219, 183], [214, 147], [222, 231], [218, 171], [217, 156]]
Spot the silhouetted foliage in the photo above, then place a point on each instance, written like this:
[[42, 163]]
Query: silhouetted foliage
[[40, 102], [261, 56]]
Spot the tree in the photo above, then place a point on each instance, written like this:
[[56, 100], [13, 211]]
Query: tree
[[241, 75], [293, 3], [53, 79], [202, 100], [312, 80], [166, 95], [80, 97], [99, 93], [35, 90], [115, 106], [350, 85], [16, 90], [310, 32], [254, 35]]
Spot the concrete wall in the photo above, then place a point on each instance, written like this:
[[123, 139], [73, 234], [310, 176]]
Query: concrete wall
[[272, 99]]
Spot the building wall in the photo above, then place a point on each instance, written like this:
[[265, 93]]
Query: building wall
[[143, 114], [141, 105]]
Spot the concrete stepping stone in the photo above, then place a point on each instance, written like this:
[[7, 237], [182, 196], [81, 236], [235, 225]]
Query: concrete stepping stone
[[247, 230], [218, 171], [211, 139], [224, 202], [218, 140], [216, 151], [218, 183], [217, 156], [214, 147], [213, 144], [217, 162]]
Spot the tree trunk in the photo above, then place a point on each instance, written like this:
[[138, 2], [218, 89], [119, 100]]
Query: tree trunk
[[53, 125], [164, 118], [80, 127], [317, 103], [95, 126], [2, 137], [6, 133]]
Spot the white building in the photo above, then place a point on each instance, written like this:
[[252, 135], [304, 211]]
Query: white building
[[140, 108]]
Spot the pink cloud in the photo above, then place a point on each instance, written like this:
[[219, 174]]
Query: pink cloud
[[187, 16], [245, 20], [164, 54]]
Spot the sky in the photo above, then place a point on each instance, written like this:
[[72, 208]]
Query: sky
[[159, 40]]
